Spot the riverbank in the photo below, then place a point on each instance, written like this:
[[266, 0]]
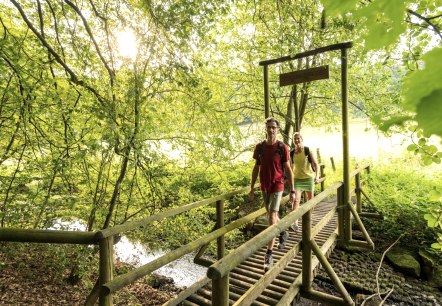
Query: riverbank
[[29, 278], [361, 272]]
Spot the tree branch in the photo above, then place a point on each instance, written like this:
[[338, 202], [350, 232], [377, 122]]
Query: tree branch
[[73, 77], [88, 30], [427, 20]]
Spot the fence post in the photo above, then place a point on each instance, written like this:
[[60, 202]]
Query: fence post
[[106, 268], [322, 174], [306, 252], [340, 203], [358, 192], [219, 224], [220, 294], [318, 156], [333, 164]]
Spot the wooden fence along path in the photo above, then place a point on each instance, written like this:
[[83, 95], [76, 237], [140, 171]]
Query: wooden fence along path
[[238, 277], [246, 275]]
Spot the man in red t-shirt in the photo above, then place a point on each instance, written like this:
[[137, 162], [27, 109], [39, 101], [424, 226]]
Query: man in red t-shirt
[[271, 157]]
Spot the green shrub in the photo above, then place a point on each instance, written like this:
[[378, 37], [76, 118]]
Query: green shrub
[[403, 195]]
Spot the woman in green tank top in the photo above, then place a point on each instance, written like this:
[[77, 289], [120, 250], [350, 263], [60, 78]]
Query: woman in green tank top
[[305, 179]]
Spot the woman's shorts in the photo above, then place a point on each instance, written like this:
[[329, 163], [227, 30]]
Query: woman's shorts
[[306, 184]]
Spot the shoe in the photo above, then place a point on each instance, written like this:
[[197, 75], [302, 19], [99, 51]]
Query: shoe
[[282, 239], [268, 262], [294, 227]]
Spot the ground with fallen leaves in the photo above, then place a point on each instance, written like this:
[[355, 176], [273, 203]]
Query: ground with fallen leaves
[[29, 276]]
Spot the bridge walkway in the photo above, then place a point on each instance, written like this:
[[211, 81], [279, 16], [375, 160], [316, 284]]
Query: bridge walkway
[[244, 276]]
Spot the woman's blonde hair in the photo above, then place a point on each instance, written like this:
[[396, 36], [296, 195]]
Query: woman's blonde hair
[[297, 134]]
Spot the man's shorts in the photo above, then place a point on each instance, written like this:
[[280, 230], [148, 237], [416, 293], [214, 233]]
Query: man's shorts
[[272, 200]]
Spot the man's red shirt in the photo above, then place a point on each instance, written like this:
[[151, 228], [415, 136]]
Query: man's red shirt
[[271, 173]]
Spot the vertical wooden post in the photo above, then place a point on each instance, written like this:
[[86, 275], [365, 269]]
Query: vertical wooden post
[[318, 156], [358, 192], [106, 268], [340, 203], [295, 105], [345, 144], [220, 292], [266, 92], [333, 164], [322, 175], [219, 224], [307, 277]]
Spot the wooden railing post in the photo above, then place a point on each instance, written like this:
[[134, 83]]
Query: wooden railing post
[[106, 269], [220, 223], [306, 252], [345, 144], [318, 155], [220, 295], [358, 188], [322, 174], [340, 205], [333, 164]]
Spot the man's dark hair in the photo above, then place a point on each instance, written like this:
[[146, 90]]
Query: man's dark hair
[[271, 119]]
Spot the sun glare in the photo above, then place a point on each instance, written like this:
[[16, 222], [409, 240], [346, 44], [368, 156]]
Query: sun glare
[[127, 44]]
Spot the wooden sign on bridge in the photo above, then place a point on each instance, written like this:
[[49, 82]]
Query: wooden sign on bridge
[[305, 75]]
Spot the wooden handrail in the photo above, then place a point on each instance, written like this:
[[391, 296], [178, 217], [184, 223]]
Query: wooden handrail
[[228, 263], [47, 236], [360, 169], [118, 229], [125, 279]]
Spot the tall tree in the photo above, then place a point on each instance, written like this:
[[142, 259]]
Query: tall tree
[[83, 120]]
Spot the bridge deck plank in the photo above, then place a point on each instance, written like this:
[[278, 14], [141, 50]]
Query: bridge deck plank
[[246, 274]]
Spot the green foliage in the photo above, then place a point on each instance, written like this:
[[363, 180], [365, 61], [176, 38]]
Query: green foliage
[[190, 186], [406, 198], [88, 129], [382, 23], [434, 217], [424, 146]]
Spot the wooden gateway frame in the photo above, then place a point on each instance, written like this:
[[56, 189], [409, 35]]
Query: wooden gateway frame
[[347, 209], [308, 75]]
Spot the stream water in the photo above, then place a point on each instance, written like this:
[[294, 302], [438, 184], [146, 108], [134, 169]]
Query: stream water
[[183, 271]]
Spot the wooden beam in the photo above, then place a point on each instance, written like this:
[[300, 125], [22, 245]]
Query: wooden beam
[[234, 258], [125, 227], [338, 46], [47, 236], [331, 273], [294, 288], [131, 276], [302, 76], [187, 292]]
